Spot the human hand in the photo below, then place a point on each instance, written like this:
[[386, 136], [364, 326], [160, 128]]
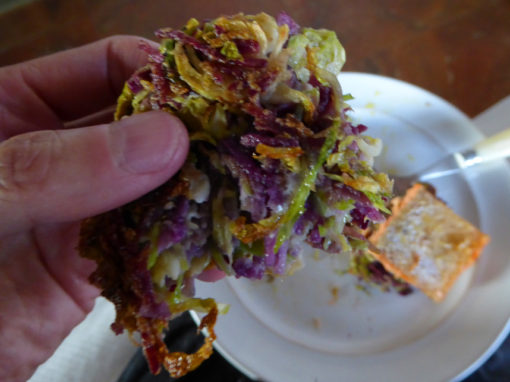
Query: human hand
[[51, 177]]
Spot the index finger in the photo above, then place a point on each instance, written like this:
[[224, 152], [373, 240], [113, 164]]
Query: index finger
[[73, 83]]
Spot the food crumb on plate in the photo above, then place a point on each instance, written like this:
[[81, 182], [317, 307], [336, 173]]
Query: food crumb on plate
[[335, 294]]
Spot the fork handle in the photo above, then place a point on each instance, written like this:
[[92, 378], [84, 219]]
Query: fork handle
[[497, 146]]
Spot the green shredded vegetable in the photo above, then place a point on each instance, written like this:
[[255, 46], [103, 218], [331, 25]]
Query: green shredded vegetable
[[153, 249], [297, 205]]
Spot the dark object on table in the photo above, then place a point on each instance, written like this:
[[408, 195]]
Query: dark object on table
[[217, 369], [183, 337], [496, 369]]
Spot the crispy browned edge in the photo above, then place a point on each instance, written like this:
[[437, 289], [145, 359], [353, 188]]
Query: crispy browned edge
[[435, 294]]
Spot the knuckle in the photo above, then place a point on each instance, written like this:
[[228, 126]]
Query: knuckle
[[26, 161]]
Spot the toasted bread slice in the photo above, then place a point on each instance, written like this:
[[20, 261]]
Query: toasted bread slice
[[425, 243]]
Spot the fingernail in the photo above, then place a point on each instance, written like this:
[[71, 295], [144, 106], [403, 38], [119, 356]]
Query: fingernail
[[149, 142]]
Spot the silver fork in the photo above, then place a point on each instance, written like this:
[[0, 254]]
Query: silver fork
[[497, 146]]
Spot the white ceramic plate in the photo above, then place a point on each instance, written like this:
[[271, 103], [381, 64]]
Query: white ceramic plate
[[317, 326]]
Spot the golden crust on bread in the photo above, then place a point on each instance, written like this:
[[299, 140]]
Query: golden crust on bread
[[425, 243]]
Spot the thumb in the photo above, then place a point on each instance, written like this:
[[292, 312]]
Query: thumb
[[67, 175]]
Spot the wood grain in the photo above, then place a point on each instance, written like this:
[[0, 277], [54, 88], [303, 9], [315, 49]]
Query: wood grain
[[458, 49]]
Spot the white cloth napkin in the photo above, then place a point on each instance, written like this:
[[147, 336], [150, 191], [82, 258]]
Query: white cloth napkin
[[93, 353]]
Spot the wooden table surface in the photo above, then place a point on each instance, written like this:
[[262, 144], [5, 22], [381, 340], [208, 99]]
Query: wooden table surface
[[459, 50]]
